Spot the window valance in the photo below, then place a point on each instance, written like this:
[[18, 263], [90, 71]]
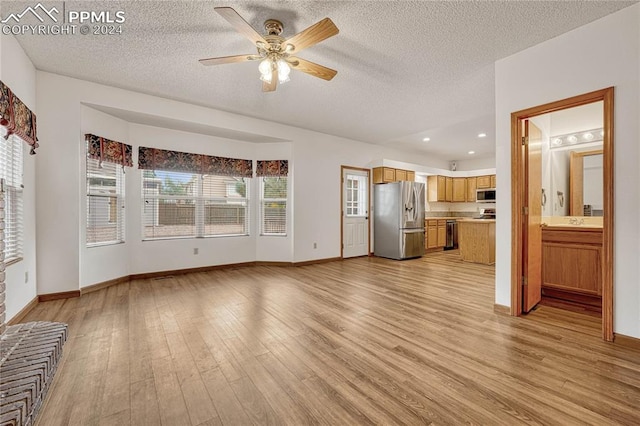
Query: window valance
[[160, 159], [106, 150], [17, 118], [272, 168]]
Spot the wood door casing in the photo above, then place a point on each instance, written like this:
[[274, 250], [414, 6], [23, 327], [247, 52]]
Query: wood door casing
[[606, 96], [532, 290]]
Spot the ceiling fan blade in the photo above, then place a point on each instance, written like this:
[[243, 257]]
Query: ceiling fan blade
[[240, 24], [312, 68], [228, 59], [314, 34], [271, 87]]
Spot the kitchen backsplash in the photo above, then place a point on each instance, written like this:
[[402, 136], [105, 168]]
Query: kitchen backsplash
[[449, 214], [455, 209]]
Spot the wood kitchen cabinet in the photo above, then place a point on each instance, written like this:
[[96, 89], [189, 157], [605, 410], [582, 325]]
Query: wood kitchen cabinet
[[442, 233], [431, 234], [483, 182], [471, 189], [389, 174], [436, 188], [448, 194], [384, 174], [459, 190]]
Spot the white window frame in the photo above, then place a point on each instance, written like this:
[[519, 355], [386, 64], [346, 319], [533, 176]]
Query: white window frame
[[265, 200], [119, 197], [11, 173], [200, 202]]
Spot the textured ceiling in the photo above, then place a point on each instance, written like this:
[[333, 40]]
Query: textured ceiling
[[406, 69]]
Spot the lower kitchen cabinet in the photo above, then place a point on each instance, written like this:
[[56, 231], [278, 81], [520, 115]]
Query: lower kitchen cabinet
[[442, 233], [435, 233], [431, 234]]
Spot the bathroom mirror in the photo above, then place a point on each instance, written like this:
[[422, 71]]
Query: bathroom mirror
[[585, 183], [572, 161]]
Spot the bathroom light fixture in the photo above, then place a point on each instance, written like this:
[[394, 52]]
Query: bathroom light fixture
[[587, 136], [482, 135], [580, 137]]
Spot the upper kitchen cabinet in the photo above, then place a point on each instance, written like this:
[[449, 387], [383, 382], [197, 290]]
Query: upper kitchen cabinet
[[493, 181], [483, 182], [471, 189], [384, 175], [436, 188], [459, 190], [389, 174], [448, 189]]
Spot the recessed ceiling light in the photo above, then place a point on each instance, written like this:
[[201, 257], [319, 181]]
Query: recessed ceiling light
[[426, 139], [471, 152], [482, 135]]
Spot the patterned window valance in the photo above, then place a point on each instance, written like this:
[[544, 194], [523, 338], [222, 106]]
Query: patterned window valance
[[106, 150], [160, 159], [272, 168], [17, 118]]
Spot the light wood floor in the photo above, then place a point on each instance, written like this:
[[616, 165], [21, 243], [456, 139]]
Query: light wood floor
[[362, 341]]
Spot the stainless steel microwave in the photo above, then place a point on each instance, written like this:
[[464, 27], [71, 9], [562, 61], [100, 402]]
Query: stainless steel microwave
[[486, 195]]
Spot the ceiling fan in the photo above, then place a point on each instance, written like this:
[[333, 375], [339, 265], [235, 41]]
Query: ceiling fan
[[276, 53]]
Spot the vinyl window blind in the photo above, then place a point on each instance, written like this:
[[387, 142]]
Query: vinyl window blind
[[11, 158], [105, 203], [191, 205], [273, 206]]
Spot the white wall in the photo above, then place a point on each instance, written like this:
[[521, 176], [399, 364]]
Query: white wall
[[476, 164], [101, 263], [315, 161], [555, 70], [19, 74]]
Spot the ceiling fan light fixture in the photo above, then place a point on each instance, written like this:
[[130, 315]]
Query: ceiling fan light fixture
[[283, 71], [266, 74]]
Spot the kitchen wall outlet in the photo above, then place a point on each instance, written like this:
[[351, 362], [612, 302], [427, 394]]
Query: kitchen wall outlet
[[26, 276], [195, 250], [315, 245]]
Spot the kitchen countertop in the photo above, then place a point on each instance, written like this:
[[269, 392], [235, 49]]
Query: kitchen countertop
[[470, 219]]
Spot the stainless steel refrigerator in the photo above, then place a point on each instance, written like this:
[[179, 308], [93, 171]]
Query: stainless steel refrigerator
[[398, 220]]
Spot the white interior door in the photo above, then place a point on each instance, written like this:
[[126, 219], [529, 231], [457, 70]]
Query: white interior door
[[355, 213]]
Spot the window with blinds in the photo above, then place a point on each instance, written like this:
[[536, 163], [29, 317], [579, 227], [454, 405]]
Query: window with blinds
[[11, 156], [273, 206], [105, 203], [190, 205]]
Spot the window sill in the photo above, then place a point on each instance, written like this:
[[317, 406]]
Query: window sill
[[104, 244], [191, 237], [273, 235]]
